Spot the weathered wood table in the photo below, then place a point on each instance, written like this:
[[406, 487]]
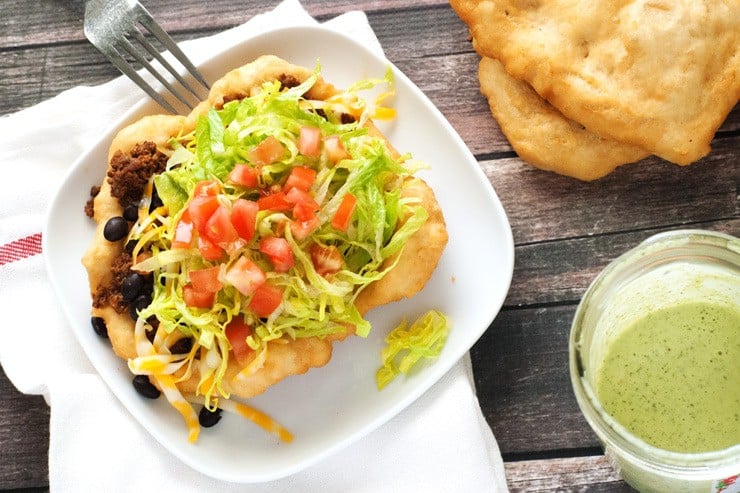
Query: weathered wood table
[[565, 231]]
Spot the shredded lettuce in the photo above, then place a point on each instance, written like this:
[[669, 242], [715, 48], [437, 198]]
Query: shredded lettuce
[[405, 346], [312, 305]]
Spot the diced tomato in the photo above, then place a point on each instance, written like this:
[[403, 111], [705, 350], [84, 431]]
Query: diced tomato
[[301, 177], [305, 207], [344, 212], [326, 259], [219, 228], [267, 152], [245, 276], [305, 212], [206, 280], [274, 202], [237, 332], [183, 237], [266, 299], [244, 217], [309, 141], [301, 229], [200, 209], [207, 188], [297, 196], [209, 249], [335, 150], [278, 251], [244, 175], [196, 298]]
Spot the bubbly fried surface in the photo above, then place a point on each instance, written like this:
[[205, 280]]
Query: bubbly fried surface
[[286, 357], [655, 74], [542, 136]]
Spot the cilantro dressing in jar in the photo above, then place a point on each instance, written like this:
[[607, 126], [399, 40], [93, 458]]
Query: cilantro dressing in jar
[[655, 361]]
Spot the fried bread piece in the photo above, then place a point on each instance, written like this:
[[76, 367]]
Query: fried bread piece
[[286, 356], [417, 260], [542, 136], [658, 75]]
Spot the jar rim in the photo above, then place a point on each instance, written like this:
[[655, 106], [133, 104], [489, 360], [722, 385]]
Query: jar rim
[[665, 246]]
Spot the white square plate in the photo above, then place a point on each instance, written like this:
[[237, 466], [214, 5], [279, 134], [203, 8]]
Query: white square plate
[[330, 407]]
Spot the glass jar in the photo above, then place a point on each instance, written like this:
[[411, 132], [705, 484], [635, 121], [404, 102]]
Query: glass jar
[[668, 268]]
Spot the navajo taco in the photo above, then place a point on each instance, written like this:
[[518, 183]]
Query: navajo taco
[[235, 245]]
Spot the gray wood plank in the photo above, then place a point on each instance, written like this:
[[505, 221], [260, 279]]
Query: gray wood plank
[[651, 193], [520, 367], [24, 438], [577, 474], [560, 272], [27, 22]]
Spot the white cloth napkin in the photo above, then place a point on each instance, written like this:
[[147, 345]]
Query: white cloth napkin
[[440, 443]]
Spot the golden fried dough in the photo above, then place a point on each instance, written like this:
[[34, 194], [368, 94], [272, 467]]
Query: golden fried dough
[[295, 357], [542, 136], [417, 260], [655, 74], [101, 254], [243, 81], [287, 356]]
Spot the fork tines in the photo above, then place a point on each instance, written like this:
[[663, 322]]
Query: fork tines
[[116, 27]]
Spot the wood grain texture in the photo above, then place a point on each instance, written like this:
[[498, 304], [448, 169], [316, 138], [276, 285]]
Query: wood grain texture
[[578, 474], [565, 231], [652, 193], [520, 367], [28, 22], [24, 430]]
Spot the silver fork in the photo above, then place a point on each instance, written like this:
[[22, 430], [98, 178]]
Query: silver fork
[[115, 28]]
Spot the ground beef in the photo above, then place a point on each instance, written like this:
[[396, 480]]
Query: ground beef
[[287, 81], [232, 97], [110, 294], [129, 173], [90, 204]]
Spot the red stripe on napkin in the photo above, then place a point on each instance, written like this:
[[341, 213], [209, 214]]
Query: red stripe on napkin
[[20, 249]]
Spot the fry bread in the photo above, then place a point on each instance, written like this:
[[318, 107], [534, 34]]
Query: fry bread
[[286, 356], [655, 74], [542, 136]]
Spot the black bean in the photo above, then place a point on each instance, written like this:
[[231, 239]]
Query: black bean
[[208, 418], [131, 286], [137, 305], [115, 229], [145, 387], [131, 212], [156, 201], [183, 346], [98, 325]]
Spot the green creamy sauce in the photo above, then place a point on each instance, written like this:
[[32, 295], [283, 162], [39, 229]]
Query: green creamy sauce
[[673, 377]]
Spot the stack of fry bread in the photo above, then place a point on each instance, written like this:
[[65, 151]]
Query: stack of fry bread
[[580, 87]]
